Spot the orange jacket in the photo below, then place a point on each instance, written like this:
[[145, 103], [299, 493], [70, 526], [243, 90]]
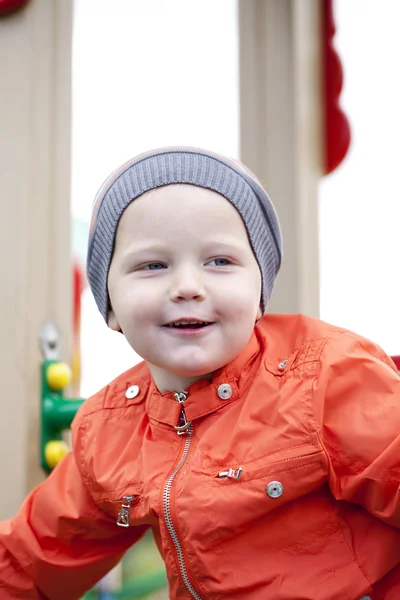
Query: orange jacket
[[308, 416]]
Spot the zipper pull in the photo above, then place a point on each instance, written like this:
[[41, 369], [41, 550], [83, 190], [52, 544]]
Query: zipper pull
[[124, 514], [183, 423], [231, 473]]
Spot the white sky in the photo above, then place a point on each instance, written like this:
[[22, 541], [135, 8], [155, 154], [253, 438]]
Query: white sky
[[360, 201], [149, 73]]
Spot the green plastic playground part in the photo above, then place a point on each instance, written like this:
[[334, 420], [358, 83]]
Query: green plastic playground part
[[137, 587], [142, 584], [57, 414]]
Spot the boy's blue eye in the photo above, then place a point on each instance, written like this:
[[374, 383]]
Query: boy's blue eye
[[156, 266], [221, 262]]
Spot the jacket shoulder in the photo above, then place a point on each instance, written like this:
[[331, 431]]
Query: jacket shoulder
[[286, 333], [298, 326], [102, 427], [310, 338]]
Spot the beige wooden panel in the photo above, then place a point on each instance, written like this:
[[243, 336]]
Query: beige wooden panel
[[280, 75], [35, 45]]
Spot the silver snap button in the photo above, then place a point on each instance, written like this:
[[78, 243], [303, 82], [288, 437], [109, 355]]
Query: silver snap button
[[366, 598], [282, 365], [274, 489], [132, 391], [224, 391]]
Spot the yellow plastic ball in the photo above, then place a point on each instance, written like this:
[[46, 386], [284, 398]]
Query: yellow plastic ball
[[54, 451], [58, 375]]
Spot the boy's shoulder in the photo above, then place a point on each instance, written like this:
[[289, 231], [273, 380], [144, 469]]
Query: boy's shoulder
[[315, 339], [285, 333], [298, 326], [102, 426]]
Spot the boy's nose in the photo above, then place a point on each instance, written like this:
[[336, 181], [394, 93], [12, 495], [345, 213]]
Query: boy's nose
[[187, 285]]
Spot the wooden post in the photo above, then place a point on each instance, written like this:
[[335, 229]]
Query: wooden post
[[281, 132], [35, 45]]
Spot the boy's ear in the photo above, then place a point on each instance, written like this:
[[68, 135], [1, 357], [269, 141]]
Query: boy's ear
[[112, 321]]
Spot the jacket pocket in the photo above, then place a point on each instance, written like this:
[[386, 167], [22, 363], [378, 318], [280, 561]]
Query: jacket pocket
[[263, 486], [284, 461]]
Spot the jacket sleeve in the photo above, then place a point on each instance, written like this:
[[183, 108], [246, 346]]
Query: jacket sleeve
[[60, 543], [357, 408]]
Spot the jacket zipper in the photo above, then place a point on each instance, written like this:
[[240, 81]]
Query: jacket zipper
[[167, 496], [183, 423]]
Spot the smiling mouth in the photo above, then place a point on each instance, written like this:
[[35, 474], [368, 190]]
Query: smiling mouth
[[188, 324]]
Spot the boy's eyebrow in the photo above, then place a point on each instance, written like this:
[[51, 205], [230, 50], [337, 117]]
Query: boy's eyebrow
[[133, 250], [146, 246], [157, 246]]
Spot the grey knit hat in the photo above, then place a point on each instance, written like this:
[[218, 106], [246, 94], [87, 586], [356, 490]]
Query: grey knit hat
[[156, 168]]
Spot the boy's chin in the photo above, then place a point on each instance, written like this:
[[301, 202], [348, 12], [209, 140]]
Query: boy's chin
[[201, 369], [188, 370], [191, 371]]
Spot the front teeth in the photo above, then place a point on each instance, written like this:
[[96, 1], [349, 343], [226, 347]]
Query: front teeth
[[177, 323]]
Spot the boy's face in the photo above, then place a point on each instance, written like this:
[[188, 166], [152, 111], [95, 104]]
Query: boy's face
[[182, 254]]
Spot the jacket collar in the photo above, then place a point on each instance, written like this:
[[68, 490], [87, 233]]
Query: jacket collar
[[203, 397]]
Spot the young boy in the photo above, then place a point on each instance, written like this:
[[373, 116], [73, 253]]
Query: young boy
[[263, 451]]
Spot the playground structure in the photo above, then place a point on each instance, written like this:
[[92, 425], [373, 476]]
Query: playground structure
[[57, 412]]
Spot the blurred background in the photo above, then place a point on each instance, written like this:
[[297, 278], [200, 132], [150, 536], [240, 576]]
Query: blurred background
[[88, 84]]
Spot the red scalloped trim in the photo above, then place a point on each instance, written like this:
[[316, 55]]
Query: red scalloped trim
[[337, 128], [10, 6], [396, 360]]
